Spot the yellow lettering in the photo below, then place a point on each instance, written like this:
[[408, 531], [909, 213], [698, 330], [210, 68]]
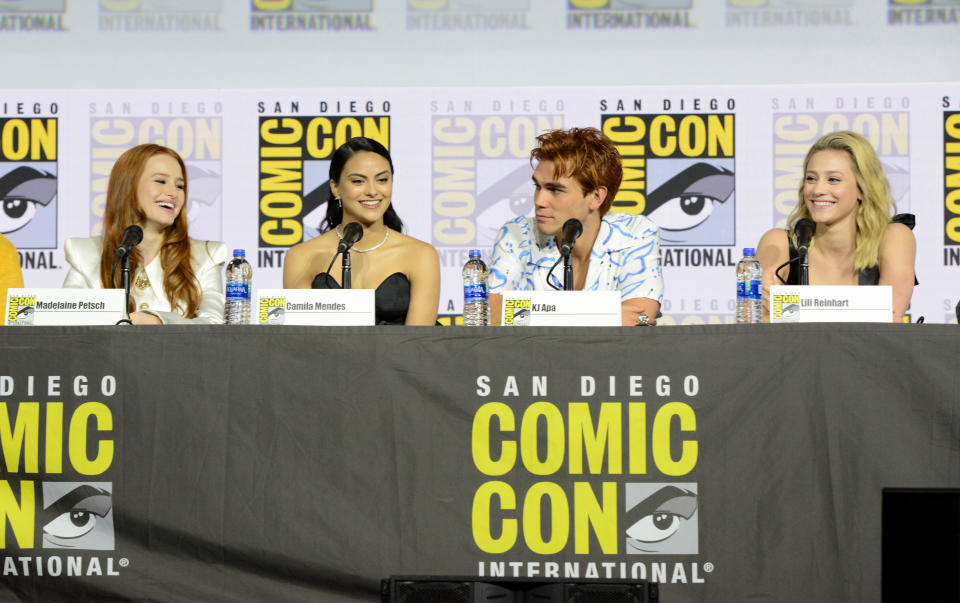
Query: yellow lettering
[[78, 439], [559, 530], [24, 436], [555, 440], [482, 505], [589, 513], [606, 438], [661, 439], [480, 439], [19, 513]]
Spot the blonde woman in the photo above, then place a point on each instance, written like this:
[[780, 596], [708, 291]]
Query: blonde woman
[[845, 193]]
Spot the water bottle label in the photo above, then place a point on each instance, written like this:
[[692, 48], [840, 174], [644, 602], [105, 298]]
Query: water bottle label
[[238, 292], [756, 290], [475, 293], [741, 289]]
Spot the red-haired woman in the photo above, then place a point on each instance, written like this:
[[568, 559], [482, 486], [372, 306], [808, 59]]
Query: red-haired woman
[[175, 279]]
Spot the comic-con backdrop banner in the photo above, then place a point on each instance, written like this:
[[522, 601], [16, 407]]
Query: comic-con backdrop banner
[[210, 476], [714, 167]]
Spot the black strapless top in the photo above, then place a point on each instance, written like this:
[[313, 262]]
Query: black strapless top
[[391, 297], [867, 276]]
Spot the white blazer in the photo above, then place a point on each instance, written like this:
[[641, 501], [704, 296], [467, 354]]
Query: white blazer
[[207, 259]]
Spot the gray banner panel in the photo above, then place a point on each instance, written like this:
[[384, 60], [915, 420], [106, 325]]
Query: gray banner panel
[[727, 462]]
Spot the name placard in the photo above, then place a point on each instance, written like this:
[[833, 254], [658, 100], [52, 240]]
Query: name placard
[[561, 308], [837, 303], [320, 307], [63, 307]]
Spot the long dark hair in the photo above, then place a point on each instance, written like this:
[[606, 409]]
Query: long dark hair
[[340, 157]]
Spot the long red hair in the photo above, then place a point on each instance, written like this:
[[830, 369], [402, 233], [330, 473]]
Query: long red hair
[[179, 281]]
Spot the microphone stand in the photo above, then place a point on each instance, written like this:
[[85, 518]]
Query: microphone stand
[[804, 266], [125, 281], [567, 272], [345, 274]]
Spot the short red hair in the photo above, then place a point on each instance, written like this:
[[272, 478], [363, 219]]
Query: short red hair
[[585, 154]]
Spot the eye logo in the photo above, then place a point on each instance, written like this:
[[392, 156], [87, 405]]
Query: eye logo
[[78, 516], [21, 191], [661, 519], [681, 205], [505, 199]]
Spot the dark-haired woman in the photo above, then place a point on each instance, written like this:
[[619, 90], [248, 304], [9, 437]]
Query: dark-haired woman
[[404, 272], [174, 279]]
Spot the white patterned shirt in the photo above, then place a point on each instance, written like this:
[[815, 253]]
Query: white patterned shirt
[[625, 258]]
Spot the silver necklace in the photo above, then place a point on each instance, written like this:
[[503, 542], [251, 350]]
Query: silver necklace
[[377, 246]]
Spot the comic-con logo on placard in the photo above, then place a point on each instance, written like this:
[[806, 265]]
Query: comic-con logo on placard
[[33, 15], [444, 15], [678, 170], [294, 158], [272, 310], [20, 310], [951, 188], [923, 12], [788, 13], [629, 14], [481, 172], [196, 134], [28, 178], [785, 308], [160, 15], [311, 15], [795, 132]]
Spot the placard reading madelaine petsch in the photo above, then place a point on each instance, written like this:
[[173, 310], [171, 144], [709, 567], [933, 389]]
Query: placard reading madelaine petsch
[[63, 307], [321, 307], [561, 308], [837, 303]]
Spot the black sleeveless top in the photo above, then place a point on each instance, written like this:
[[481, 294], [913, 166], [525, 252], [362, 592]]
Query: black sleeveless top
[[868, 276], [391, 297]]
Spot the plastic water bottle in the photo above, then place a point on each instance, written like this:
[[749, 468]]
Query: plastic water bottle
[[749, 288], [239, 284], [476, 301]]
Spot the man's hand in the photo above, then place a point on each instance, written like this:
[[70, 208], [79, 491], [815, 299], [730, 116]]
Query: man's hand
[[631, 309]]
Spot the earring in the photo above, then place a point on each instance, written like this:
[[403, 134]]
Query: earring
[[340, 205]]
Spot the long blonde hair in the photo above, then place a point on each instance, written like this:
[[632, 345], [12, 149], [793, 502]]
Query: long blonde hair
[[876, 203]]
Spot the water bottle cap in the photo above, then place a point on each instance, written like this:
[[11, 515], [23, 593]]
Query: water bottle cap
[[474, 253], [749, 251], [239, 253]]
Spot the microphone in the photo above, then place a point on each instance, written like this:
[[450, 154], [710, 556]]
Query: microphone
[[803, 231], [131, 238], [352, 233], [572, 229]]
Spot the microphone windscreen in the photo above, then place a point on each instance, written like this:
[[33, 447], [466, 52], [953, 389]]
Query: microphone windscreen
[[136, 234], [803, 231]]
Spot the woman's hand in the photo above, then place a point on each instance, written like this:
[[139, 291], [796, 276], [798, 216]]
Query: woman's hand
[[145, 318]]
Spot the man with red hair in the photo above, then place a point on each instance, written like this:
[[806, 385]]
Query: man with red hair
[[577, 175]]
